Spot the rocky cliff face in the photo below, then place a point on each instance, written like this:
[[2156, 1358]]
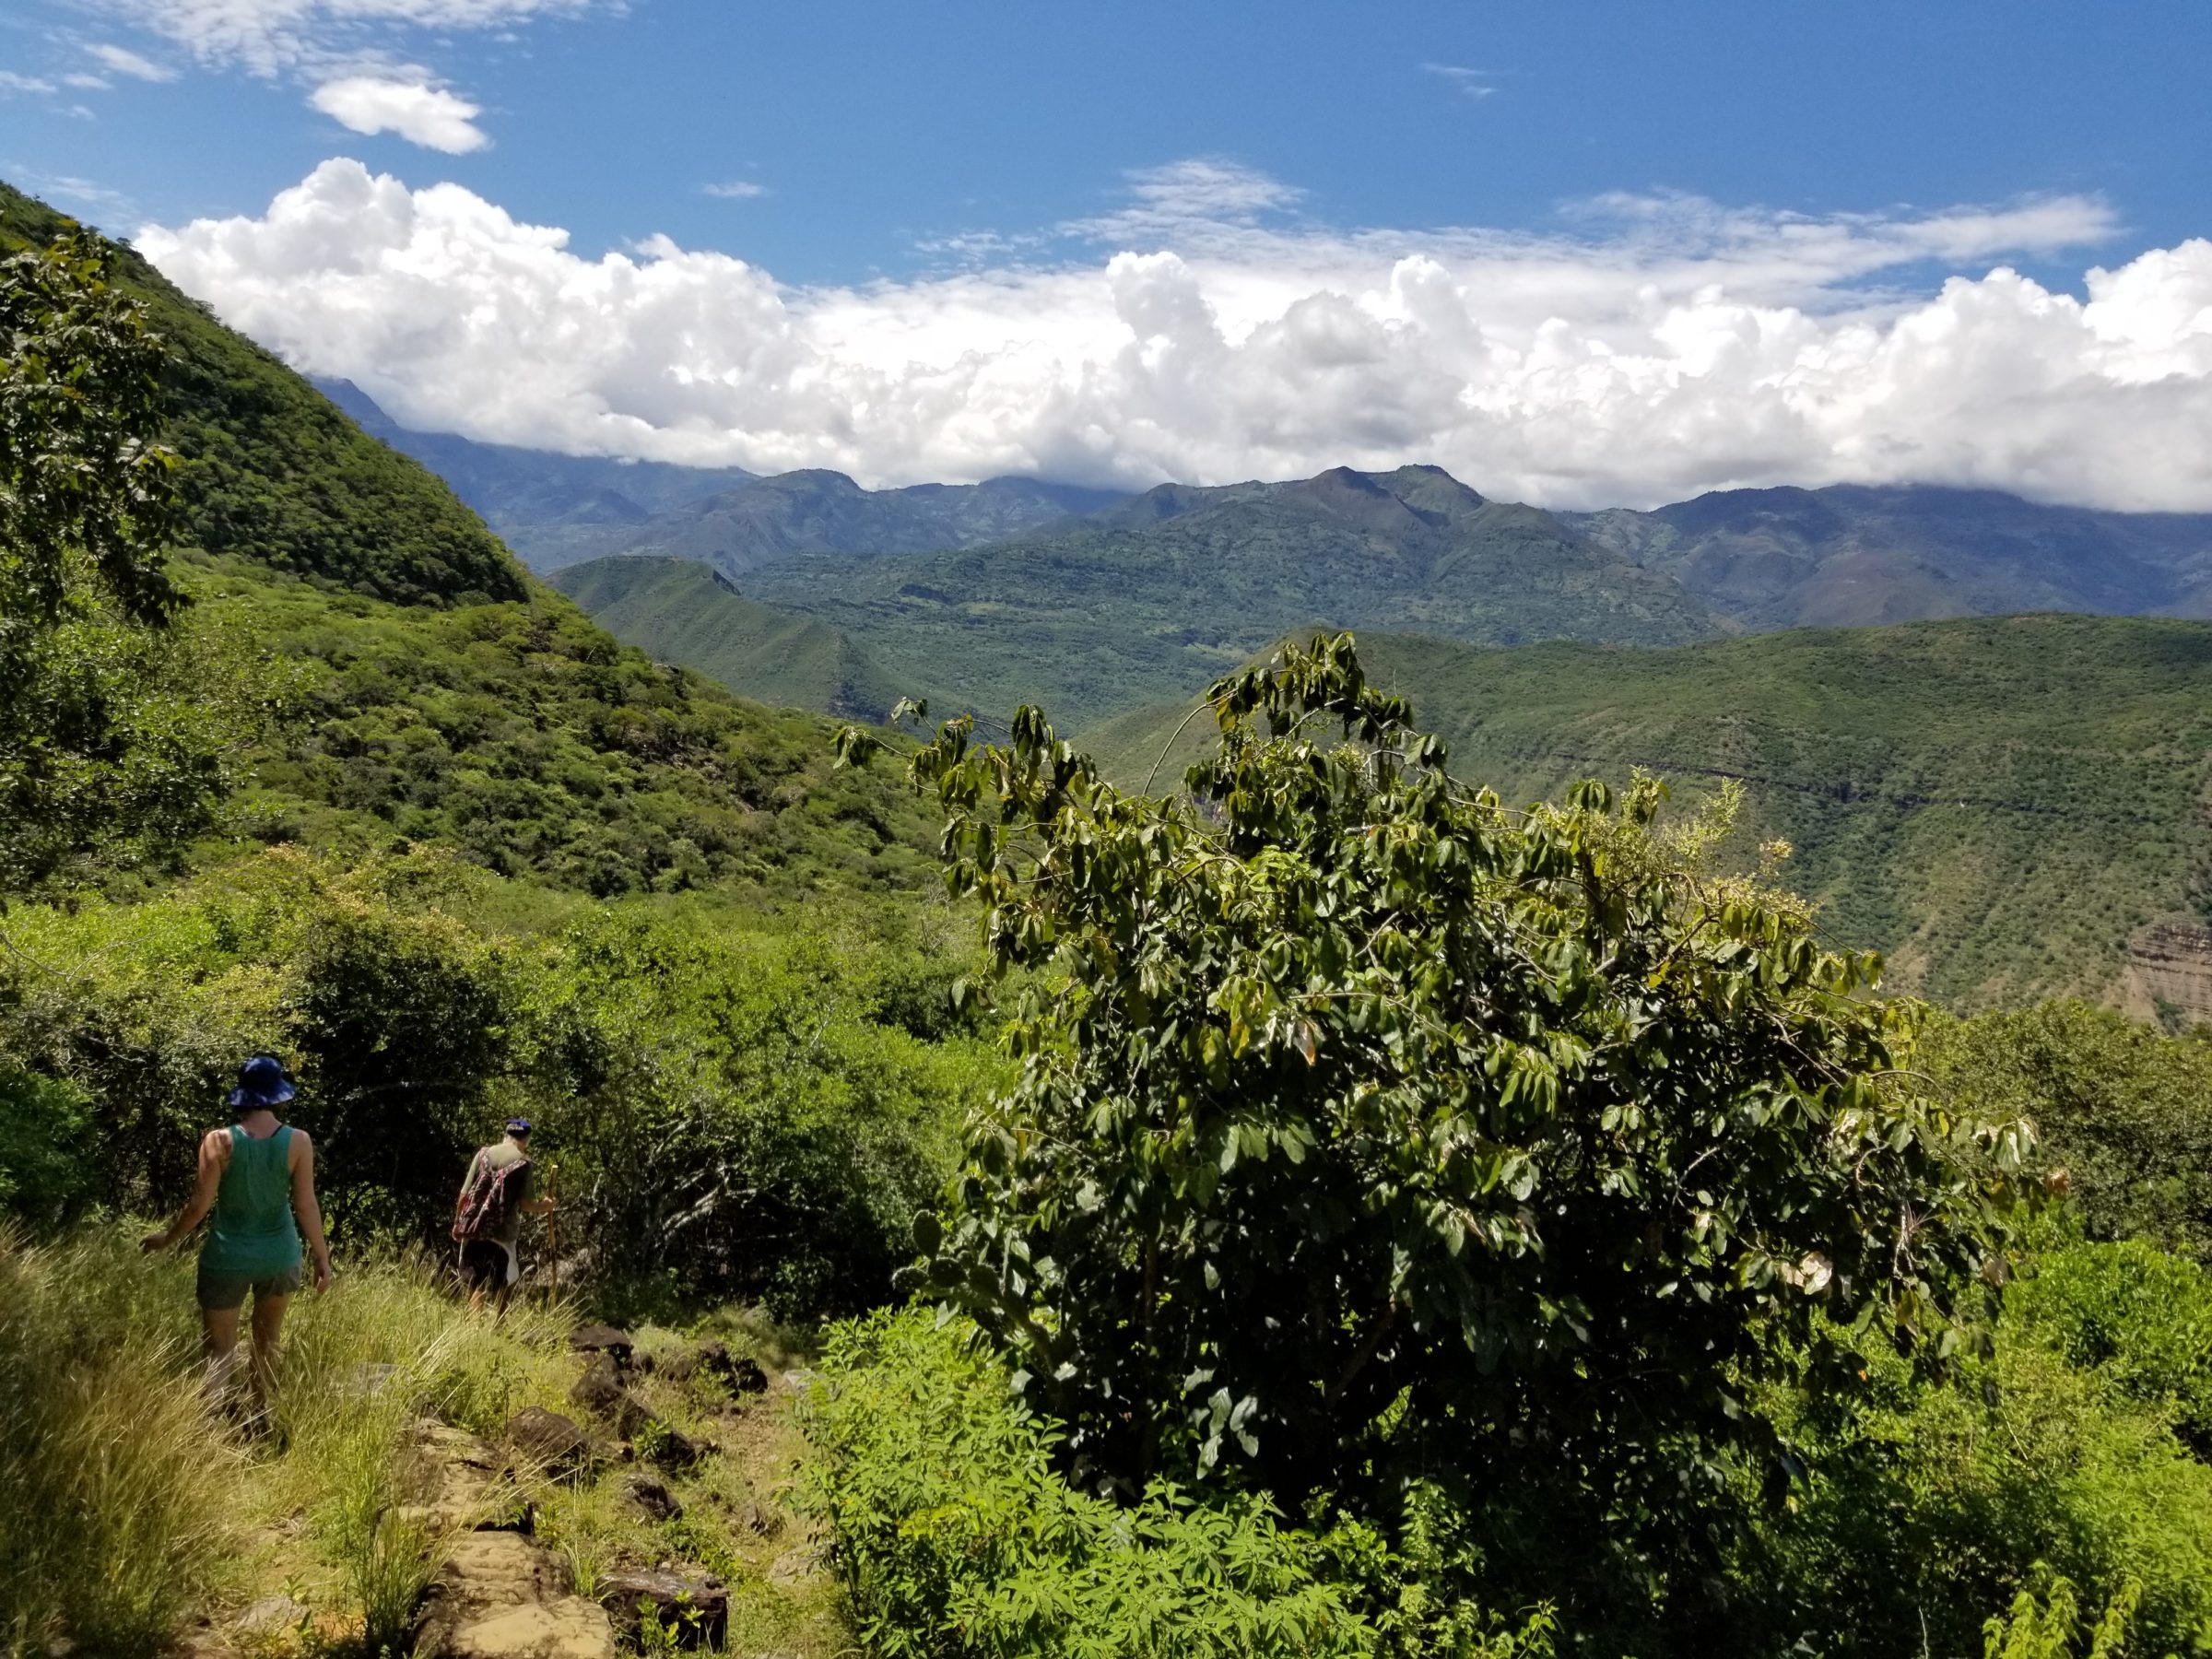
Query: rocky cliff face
[[2168, 968]]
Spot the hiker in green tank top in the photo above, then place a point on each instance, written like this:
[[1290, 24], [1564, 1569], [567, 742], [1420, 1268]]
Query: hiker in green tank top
[[258, 1177]]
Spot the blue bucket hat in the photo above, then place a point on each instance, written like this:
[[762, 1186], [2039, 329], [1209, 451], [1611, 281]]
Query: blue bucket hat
[[261, 1082]]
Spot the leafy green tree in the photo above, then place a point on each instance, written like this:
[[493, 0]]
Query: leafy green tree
[[1368, 1129], [101, 737]]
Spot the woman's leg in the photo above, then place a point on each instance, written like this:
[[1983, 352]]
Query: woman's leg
[[220, 1327], [268, 1331]]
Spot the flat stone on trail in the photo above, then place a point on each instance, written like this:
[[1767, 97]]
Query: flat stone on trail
[[271, 1616], [600, 1387], [550, 1441], [602, 1339], [695, 1611], [649, 1493], [500, 1596]]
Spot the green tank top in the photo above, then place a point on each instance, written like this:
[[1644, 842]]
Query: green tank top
[[254, 1234]]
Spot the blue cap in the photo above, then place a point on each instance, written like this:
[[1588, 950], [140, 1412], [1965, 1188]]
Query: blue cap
[[261, 1082], [518, 1125]]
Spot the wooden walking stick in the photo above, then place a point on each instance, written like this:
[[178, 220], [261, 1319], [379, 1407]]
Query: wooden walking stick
[[553, 1228]]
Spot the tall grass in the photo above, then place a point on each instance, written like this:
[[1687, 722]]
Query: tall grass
[[118, 1511], [124, 1509]]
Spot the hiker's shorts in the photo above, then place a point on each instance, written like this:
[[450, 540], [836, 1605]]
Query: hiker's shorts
[[226, 1292], [488, 1265]]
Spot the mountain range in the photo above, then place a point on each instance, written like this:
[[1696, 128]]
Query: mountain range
[[558, 509], [2010, 806], [1014, 589]]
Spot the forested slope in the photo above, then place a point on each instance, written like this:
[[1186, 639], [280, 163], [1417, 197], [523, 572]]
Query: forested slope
[[685, 612], [2000, 804], [276, 472]]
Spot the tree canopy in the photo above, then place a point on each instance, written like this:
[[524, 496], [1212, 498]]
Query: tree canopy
[[1366, 1124], [102, 736]]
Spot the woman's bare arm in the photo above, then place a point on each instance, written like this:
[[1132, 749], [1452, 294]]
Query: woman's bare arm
[[305, 1206], [215, 1151]]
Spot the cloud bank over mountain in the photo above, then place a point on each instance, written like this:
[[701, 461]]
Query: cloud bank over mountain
[[1209, 332]]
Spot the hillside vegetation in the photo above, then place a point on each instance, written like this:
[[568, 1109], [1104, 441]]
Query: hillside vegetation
[[275, 471], [1363, 1218], [1997, 804], [689, 613]]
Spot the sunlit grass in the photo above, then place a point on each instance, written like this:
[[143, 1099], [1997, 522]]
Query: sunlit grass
[[120, 1511]]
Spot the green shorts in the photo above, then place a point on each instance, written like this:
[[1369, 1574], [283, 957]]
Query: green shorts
[[226, 1292]]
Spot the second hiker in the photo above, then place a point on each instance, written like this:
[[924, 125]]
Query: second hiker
[[497, 1191]]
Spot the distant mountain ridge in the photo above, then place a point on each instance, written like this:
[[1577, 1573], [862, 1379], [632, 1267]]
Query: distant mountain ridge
[[820, 511], [1156, 593], [556, 509], [1851, 555]]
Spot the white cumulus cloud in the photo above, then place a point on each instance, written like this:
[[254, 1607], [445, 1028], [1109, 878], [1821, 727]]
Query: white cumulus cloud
[[736, 190], [1207, 331], [409, 106]]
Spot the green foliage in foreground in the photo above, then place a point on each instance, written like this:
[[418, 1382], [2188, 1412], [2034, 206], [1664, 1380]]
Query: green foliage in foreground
[[955, 1534], [1928, 1507], [2030, 1486], [1996, 804], [129, 1508], [1369, 1128], [118, 1515], [274, 471], [727, 1110]]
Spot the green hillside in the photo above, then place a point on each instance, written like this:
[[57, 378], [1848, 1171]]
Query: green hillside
[[1144, 599], [277, 473], [426, 690], [2001, 806], [684, 612]]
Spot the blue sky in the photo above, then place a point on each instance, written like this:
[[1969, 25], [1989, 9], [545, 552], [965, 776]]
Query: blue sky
[[842, 148], [873, 128]]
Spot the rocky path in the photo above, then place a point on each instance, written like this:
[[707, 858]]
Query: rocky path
[[663, 1489]]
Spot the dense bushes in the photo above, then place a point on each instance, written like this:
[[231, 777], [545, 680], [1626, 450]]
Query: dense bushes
[[1369, 1128], [1927, 1506], [955, 1534], [729, 1112], [2124, 1110]]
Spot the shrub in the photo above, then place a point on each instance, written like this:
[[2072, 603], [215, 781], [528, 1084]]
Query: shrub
[[1935, 1504], [46, 1153], [2125, 1112], [1368, 1127], [2136, 1318]]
